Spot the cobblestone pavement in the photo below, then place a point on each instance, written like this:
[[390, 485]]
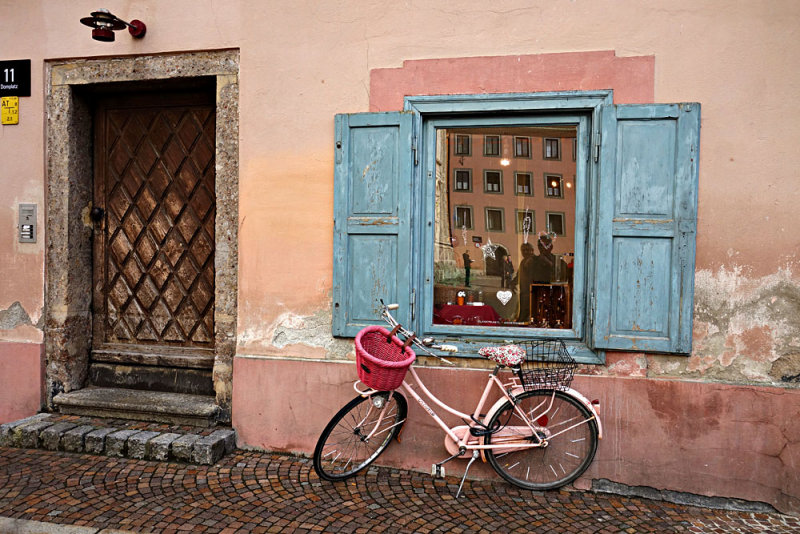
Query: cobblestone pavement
[[262, 492]]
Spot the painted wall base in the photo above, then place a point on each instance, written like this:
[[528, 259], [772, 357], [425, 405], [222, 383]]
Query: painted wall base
[[703, 438], [21, 380]]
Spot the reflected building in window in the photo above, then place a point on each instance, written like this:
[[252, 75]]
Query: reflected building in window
[[527, 191]]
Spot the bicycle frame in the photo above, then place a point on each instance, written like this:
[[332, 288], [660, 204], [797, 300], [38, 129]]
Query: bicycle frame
[[506, 441], [503, 439]]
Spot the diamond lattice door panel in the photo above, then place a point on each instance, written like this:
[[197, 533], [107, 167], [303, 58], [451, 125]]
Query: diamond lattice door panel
[[154, 241]]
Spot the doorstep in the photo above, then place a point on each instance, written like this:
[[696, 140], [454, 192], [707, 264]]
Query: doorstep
[[121, 438]]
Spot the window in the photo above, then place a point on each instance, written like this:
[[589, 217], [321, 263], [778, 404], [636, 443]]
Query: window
[[522, 147], [552, 148], [553, 186], [555, 223], [632, 276], [526, 222], [491, 145], [463, 180], [492, 181], [462, 145], [494, 220], [463, 217], [524, 181]]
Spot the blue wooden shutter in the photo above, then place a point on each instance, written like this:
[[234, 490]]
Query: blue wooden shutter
[[372, 201], [646, 225]]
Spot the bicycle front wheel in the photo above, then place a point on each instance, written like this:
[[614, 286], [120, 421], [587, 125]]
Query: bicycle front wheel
[[567, 426], [358, 434]]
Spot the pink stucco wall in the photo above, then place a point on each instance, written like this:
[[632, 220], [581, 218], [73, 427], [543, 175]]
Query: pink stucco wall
[[706, 439], [21, 379], [303, 63]]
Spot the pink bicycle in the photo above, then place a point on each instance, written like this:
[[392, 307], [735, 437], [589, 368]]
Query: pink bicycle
[[540, 434]]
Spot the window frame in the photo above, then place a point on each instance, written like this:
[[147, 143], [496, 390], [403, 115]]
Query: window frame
[[384, 219], [455, 181], [486, 182], [471, 212], [517, 174], [520, 221], [499, 153], [502, 212], [455, 145], [550, 176], [557, 157], [425, 205], [561, 214], [529, 155]]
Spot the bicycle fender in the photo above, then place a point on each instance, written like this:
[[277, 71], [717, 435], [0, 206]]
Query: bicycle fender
[[569, 391]]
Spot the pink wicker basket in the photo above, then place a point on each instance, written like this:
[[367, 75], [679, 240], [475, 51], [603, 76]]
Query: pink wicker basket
[[382, 363]]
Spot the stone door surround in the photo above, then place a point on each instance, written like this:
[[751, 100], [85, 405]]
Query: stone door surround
[[68, 157]]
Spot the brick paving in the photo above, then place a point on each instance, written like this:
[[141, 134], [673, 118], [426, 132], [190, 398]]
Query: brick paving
[[250, 491]]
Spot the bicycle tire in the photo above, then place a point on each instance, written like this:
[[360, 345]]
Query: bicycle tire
[[342, 450], [566, 456]]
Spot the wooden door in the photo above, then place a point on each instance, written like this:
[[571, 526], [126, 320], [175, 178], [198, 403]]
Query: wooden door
[[153, 213]]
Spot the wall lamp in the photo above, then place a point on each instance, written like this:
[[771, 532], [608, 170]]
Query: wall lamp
[[104, 23]]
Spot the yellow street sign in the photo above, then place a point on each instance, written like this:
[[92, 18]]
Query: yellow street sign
[[9, 109]]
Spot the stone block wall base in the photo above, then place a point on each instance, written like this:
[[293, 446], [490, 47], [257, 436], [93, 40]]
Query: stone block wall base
[[110, 437]]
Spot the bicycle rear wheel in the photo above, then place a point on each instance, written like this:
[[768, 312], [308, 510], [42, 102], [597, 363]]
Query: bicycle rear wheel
[[568, 427], [358, 434]]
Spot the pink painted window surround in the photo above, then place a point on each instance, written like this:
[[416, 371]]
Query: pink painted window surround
[[632, 78]]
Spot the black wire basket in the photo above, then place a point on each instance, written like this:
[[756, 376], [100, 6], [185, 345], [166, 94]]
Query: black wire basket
[[547, 365]]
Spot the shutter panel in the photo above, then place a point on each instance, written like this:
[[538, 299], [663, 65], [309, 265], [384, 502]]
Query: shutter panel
[[372, 201], [647, 220]]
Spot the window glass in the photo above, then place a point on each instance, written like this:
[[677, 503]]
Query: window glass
[[522, 147], [524, 183], [463, 180], [491, 145], [505, 273], [461, 146], [552, 148], [553, 185]]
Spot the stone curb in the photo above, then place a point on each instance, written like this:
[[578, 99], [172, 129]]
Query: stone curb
[[23, 526], [42, 432]]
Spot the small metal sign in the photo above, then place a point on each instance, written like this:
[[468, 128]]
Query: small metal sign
[[15, 77], [9, 109]]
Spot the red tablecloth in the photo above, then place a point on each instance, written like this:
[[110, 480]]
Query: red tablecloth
[[452, 313]]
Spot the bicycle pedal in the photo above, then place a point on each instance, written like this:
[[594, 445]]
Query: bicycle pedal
[[437, 471]]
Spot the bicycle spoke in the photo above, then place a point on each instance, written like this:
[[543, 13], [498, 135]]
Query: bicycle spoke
[[568, 428]]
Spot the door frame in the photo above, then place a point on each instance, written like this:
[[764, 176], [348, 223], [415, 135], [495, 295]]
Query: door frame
[[68, 229]]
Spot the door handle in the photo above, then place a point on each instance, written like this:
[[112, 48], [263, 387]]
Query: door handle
[[96, 214]]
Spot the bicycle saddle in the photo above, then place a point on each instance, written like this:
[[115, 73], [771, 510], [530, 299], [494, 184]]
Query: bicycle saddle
[[508, 355]]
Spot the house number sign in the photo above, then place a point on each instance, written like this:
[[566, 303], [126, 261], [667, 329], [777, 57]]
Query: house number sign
[[15, 78], [15, 81]]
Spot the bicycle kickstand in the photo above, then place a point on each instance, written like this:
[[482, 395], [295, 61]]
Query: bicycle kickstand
[[475, 455]]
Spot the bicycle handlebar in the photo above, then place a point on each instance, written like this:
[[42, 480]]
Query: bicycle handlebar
[[423, 344]]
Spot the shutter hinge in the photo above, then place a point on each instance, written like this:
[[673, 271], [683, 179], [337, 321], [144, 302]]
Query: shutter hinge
[[413, 302], [414, 149], [596, 147], [591, 310]]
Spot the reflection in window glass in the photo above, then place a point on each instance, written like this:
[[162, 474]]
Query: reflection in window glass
[[462, 145], [524, 183], [493, 181], [511, 274], [491, 145], [463, 180], [553, 185], [494, 220]]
